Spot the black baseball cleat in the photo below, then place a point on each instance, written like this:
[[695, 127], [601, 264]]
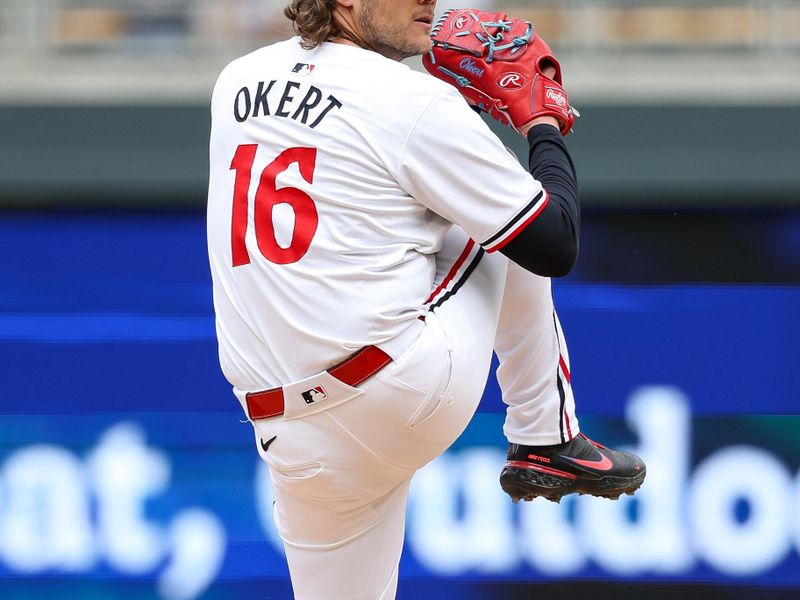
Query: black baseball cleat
[[580, 466]]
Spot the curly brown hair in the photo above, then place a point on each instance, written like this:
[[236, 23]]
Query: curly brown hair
[[313, 21]]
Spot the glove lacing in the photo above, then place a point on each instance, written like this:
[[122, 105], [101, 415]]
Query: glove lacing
[[490, 41]]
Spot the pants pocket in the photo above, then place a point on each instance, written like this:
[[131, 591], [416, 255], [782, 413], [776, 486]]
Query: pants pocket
[[298, 481], [298, 472], [437, 398]]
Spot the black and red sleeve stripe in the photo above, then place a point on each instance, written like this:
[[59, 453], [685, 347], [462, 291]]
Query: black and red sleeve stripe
[[544, 236]]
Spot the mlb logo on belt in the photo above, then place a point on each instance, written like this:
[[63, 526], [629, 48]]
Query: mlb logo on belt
[[314, 395]]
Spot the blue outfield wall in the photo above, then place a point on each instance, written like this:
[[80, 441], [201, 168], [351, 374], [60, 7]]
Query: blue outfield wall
[[126, 472]]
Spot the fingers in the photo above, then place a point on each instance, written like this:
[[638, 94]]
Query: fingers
[[548, 68]]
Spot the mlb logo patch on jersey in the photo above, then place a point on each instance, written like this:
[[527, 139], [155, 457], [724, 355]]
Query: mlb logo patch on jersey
[[314, 395], [303, 69]]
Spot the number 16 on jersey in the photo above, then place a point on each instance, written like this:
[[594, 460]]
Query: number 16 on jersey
[[267, 197]]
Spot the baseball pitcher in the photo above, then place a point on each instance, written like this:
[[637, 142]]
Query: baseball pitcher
[[371, 244]]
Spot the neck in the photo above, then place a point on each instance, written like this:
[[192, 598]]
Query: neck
[[348, 29]]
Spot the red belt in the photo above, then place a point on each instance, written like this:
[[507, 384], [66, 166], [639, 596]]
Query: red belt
[[353, 371]]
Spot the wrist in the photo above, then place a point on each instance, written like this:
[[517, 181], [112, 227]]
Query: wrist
[[545, 120]]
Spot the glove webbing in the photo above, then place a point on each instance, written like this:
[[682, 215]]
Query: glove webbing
[[488, 40]]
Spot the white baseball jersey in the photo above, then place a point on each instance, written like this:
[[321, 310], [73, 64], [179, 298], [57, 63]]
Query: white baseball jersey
[[333, 180]]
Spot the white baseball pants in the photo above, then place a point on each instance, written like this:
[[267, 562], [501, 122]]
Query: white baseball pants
[[341, 469]]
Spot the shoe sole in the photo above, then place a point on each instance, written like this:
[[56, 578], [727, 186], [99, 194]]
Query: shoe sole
[[529, 482]]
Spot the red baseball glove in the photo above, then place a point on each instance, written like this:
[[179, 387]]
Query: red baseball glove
[[498, 64]]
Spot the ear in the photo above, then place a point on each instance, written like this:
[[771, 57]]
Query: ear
[[345, 3]]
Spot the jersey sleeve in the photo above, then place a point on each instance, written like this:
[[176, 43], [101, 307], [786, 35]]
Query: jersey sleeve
[[453, 164]]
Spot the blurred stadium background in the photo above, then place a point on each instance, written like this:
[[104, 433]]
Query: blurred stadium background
[[125, 471]]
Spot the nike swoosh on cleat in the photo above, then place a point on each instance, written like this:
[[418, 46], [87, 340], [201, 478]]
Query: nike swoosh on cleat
[[265, 445], [604, 464]]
